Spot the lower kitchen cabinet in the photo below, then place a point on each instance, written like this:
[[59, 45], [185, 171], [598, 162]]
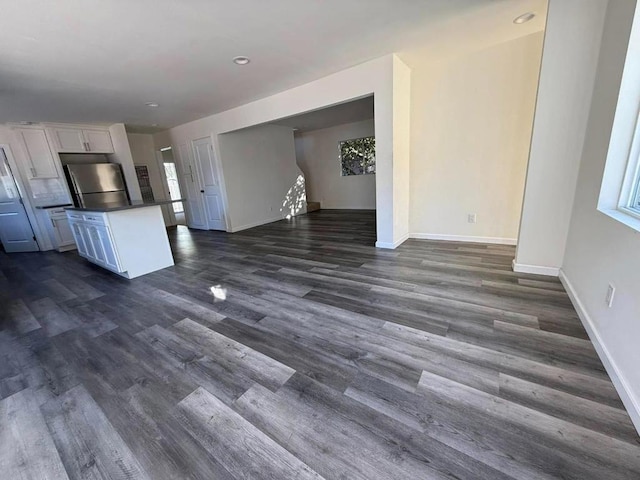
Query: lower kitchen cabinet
[[61, 234], [94, 240], [130, 242]]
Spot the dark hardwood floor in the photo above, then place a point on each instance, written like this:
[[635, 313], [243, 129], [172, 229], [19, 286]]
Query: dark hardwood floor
[[298, 350]]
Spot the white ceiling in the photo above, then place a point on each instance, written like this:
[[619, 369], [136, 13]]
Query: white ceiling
[[101, 60], [347, 112]]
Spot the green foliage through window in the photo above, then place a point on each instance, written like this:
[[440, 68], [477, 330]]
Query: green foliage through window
[[358, 156]]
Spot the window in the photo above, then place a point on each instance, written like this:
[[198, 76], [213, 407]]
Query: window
[[358, 156], [620, 189]]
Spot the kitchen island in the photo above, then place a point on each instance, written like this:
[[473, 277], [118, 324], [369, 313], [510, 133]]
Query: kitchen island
[[130, 240]]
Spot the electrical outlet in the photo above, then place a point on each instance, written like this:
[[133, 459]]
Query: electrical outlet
[[611, 291], [471, 218]]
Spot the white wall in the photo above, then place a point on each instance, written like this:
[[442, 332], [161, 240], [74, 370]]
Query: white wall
[[373, 77], [471, 121], [599, 249], [401, 150], [262, 179], [143, 153], [123, 156], [317, 156], [571, 47]]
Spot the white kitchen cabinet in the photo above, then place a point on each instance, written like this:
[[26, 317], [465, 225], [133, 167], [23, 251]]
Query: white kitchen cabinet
[[69, 139], [130, 242], [79, 140], [94, 240], [77, 230], [98, 141], [61, 234], [40, 160]]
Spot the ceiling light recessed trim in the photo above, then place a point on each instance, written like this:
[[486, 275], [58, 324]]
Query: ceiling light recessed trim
[[152, 104], [524, 18], [241, 60]]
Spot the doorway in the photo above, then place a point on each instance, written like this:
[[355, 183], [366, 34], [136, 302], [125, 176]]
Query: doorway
[[170, 180], [170, 172], [16, 233], [211, 189]]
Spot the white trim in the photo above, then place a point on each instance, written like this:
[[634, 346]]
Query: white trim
[[535, 269], [624, 215], [393, 245], [631, 403], [464, 238], [254, 224]]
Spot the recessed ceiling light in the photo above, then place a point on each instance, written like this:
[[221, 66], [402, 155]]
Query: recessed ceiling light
[[165, 149], [525, 17], [241, 60], [152, 104]]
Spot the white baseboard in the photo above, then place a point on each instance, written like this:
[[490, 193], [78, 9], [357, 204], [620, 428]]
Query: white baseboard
[[631, 403], [254, 224], [464, 238], [535, 269], [393, 245]]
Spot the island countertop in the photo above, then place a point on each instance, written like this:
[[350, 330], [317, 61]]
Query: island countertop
[[117, 206]]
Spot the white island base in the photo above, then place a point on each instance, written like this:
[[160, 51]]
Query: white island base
[[130, 242]]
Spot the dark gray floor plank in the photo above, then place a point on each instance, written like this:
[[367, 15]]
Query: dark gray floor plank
[[27, 450], [240, 447], [88, 444], [551, 430]]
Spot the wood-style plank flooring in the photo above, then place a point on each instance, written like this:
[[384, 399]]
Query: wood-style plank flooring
[[298, 350]]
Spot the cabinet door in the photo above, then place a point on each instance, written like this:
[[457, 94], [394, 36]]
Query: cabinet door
[[69, 139], [63, 232], [41, 161], [88, 242], [98, 141], [77, 231], [110, 257], [98, 247]]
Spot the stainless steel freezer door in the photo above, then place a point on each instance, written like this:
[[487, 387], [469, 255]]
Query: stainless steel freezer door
[[103, 199], [96, 177]]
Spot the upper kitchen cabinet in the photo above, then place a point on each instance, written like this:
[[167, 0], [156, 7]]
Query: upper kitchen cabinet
[[41, 162], [79, 140], [69, 139], [98, 141]]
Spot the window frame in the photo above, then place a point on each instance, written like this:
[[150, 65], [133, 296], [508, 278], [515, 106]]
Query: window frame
[[629, 201]]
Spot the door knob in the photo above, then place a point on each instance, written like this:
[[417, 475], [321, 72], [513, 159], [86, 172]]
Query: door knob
[[201, 191]]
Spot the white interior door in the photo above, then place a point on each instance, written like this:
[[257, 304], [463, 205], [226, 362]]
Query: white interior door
[[16, 233], [195, 203], [211, 191]]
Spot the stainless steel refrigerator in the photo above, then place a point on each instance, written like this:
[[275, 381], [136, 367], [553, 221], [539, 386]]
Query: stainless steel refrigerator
[[97, 185]]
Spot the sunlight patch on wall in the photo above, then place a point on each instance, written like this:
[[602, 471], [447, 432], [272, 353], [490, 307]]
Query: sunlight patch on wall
[[295, 202]]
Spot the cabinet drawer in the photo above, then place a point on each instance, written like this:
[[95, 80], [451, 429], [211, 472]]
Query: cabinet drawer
[[95, 219], [88, 218], [57, 212]]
